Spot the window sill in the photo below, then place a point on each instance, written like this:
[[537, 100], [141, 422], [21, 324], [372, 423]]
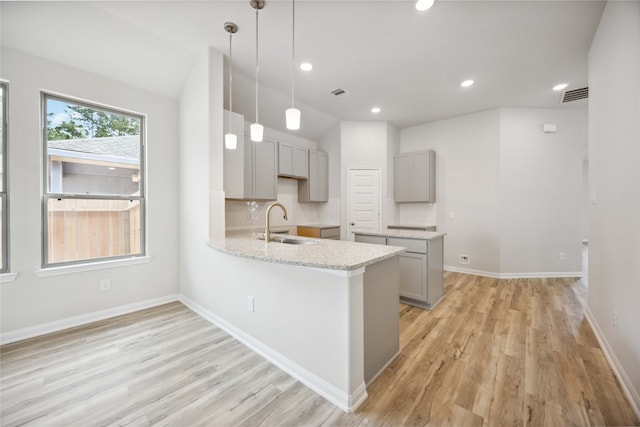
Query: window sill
[[8, 277], [101, 265]]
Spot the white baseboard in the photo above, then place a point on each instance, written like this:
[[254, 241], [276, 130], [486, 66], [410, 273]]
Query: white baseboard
[[83, 319], [346, 402], [616, 367], [546, 275]]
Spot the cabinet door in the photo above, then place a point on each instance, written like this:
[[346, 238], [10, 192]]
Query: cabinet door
[[316, 187], [285, 159], [424, 168], [318, 177], [413, 276], [403, 178], [300, 167], [420, 177], [264, 170], [376, 240]]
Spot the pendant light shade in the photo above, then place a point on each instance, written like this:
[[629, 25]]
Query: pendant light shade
[[257, 130], [230, 139], [292, 114], [422, 5], [293, 118]]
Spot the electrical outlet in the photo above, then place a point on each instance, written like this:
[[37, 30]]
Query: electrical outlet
[[616, 320], [250, 306], [464, 259], [452, 215], [105, 285], [562, 257]]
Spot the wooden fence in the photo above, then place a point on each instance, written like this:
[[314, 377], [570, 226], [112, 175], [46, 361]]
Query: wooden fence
[[81, 229]]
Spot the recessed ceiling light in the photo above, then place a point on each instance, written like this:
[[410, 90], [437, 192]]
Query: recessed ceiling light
[[375, 110], [560, 86], [111, 168], [306, 66], [466, 83], [422, 5]]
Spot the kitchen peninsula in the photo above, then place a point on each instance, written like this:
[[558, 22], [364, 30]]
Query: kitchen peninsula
[[326, 311]]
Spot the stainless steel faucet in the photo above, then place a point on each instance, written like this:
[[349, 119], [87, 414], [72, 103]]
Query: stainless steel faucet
[[267, 232]]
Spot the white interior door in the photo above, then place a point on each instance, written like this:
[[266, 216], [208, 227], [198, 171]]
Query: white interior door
[[364, 201]]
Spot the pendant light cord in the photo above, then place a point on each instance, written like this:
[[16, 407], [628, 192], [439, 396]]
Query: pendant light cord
[[257, 66], [230, 80], [293, 49]]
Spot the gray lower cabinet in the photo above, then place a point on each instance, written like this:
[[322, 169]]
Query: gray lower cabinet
[[413, 276], [321, 232], [421, 268]]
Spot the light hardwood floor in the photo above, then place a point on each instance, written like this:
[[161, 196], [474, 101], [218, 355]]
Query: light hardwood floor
[[493, 353]]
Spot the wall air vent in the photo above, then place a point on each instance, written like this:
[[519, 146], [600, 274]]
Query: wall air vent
[[575, 95], [338, 91]]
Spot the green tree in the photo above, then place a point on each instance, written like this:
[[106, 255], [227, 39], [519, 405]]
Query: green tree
[[89, 123]]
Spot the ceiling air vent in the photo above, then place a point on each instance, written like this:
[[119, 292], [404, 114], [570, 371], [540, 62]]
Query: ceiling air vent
[[338, 91], [575, 95]]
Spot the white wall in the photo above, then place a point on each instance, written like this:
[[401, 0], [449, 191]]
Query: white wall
[[330, 143], [194, 166], [515, 193], [614, 218], [272, 105], [31, 301], [467, 184], [541, 191], [364, 145]]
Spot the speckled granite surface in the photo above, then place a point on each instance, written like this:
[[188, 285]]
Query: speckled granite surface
[[325, 253]]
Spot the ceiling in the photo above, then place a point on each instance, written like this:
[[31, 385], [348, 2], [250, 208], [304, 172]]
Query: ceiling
[[382, 53]]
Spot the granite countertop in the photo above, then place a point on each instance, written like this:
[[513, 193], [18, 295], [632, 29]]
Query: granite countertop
[[325, 253], [406, 234], [412, 226]]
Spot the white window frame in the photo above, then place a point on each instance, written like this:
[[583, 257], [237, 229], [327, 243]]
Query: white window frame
[[46, 195], [4, 194]]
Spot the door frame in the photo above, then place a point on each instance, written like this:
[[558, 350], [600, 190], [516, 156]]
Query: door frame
[[348, 209]]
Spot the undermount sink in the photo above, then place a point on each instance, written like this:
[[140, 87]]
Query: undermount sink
[[289, 240]]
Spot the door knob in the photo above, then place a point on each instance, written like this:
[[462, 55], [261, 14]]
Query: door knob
[[353, 223]]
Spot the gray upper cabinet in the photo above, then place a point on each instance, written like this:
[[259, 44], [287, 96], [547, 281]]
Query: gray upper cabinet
[[415, 177], [316, 188], [265, 182], [250, 171], [292, 161]]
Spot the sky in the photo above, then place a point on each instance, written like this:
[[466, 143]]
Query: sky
[[57, 108]]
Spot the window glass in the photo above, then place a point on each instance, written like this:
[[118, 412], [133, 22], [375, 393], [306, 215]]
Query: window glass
[[94, 186]]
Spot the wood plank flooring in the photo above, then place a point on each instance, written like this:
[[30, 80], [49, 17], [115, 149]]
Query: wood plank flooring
[[493, 353]]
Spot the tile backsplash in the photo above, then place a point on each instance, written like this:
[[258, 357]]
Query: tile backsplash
[[251, 214]]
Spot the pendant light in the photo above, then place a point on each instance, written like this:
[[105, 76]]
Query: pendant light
[[422, 5], [293, 114], [257, 129], [230, 139]]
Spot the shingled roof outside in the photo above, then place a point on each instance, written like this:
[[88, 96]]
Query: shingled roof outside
[[125, 147]]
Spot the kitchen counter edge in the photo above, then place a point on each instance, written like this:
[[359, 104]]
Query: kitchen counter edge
[[324, 254]]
